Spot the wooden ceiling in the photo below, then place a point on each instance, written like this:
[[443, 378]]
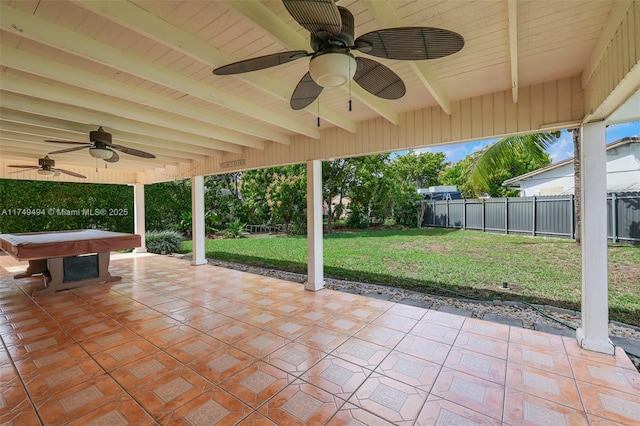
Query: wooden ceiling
[[143, 71]]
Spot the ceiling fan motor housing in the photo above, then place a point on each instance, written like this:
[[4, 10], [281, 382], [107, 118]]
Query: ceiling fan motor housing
[[46, 162], [100, 136], [345, 38]]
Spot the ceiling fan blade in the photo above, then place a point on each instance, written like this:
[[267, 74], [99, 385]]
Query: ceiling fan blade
[[70, 173], [69, 142], [305, 93], [114, 158], [261, 62], [319, 17], [62, 151], [378, 79], [25, 169], [410, 43], [22, 166], [132, 151]]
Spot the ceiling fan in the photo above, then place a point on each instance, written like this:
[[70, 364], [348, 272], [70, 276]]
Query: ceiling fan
[[101, 147], [332, 64], [46, 167]]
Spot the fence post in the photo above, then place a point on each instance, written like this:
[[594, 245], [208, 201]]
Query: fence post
[[482, 202], [433, 213], [614, 217], [464, 213], [506, 215], [533, 228], [446, 217], [573, 216]]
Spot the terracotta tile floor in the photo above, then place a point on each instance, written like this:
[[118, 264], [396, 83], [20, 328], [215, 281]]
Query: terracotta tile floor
[[177, 344]]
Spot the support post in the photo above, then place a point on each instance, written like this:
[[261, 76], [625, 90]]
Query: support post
[[138, 217], [594, 333], [315, 265], [197, 220]]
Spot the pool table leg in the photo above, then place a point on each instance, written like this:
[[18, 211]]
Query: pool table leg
[[38, 266], [56, 271]]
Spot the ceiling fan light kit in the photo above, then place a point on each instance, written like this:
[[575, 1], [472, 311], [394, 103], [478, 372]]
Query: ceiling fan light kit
[[101, 153], [46, 172], [332, 69]]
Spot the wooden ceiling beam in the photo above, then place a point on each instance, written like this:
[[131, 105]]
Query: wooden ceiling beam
[[50, 34], [142, 21], [13, 116], [68, 112], [385, 17], [34, 64]]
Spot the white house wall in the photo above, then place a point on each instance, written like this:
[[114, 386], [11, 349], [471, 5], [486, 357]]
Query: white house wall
[[623, 174]]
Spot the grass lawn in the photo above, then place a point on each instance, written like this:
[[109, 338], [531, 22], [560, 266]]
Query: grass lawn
[[440, 261]]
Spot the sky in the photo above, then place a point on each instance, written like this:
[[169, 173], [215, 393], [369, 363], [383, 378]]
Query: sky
[[558, 151]]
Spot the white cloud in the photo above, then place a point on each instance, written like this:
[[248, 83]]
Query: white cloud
[[562, 148]]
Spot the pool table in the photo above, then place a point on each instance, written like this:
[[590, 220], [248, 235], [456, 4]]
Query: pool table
[[67, 259]]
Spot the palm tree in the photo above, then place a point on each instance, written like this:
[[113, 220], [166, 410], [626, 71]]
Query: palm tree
[[508, 150]]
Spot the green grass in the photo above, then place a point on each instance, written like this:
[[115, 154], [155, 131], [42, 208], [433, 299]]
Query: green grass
[[439, 261]]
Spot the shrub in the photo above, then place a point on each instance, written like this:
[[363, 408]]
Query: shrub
[[235, 230], [163, 242]]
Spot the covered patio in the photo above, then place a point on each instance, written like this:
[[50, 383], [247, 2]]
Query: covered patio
[[143, 70], [171, 344]]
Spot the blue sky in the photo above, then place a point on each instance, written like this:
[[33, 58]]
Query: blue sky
[[558, 151]]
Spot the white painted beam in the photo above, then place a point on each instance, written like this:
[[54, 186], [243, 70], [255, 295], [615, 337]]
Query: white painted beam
[[513, 47], [68, 112], [190, 128], [45, 32], [594, 331], [42, 133], [270, 22], [241, 134], [122, 137], [386, 17], [142, 21]]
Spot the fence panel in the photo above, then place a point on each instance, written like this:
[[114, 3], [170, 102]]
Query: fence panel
[[473, 216], [627, 217], [520, 215], [544, 216], [554, 216], [495, 215]]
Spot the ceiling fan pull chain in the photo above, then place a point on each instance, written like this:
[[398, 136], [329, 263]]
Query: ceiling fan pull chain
[[350, 87], [318, 111]]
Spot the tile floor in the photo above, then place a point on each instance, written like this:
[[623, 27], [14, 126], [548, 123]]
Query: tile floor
[[177, 344]]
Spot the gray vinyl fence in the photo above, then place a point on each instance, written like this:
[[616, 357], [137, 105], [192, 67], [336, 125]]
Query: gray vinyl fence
[[538, 216]]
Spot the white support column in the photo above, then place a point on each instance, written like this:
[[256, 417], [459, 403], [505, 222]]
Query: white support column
[[138, 216], [197, 220], [594, 333], [315, 266]]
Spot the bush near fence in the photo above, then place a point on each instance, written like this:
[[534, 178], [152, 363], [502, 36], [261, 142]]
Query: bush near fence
[[538, 216]]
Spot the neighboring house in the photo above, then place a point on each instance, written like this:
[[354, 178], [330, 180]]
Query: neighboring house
[[623, 173]]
